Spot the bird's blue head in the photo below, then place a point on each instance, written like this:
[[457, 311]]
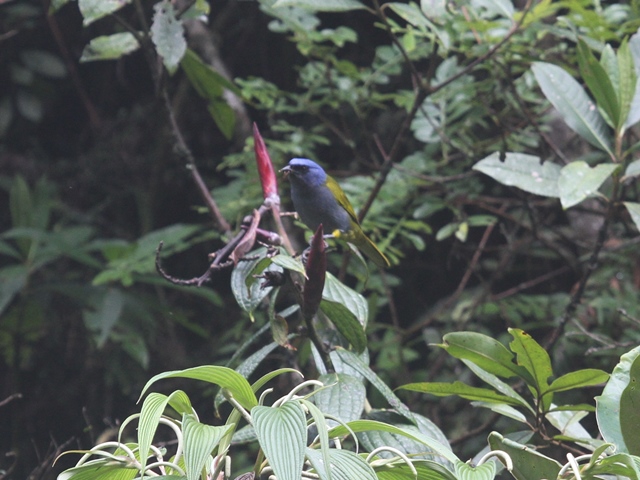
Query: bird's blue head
[[305, 171]]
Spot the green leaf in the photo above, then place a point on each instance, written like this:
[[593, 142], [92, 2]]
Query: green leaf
[[374, 439], [337, 292], [12, 279], [634, 210], [56, 5], [630, 410], [346, 323], [575, 106], [322, 5], [222, 376], [627, 83], [578, 181], [289, 263], [224, 117], [282, 433], [103, 469], [484, 351], [356, 364], [462, 390], [523, 171], [608, 404], [208, 83], [342, 397], [249, 297], [634, 109], [199, 442], [93, 10], [344, 465], [535, 359], [587, 377], [167, 34], [498, 384], [599, 83], [109, 47], [486, 471], [371, 425], [527, 463], [44, 63], [633, 170]]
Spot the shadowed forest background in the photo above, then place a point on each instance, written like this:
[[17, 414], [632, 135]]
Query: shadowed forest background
[[92, 179]]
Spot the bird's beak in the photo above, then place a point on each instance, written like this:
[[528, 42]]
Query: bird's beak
[[285, 171]]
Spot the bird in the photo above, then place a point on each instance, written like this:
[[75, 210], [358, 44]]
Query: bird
[[318, 199]]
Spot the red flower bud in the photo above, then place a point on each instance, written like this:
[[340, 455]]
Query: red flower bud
[[267, 173], [316, 273]]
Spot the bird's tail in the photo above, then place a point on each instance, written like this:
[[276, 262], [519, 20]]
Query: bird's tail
[[370, 249]]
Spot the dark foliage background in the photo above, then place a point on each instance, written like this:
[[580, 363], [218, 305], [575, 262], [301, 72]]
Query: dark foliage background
[[93, 147]]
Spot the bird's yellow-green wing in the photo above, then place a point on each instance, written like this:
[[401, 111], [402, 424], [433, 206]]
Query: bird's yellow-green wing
[[341, 197]]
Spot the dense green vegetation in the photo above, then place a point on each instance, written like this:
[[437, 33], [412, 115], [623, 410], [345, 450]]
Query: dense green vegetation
[[489, 148]]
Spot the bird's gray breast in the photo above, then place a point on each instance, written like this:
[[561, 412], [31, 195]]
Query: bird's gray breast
[[317, 205]]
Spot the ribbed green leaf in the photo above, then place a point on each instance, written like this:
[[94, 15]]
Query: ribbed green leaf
[[575, 106], [152, 409], [322, 429], [486, 471], [199, 442], [103, 469], [578, 181], [282, 433], [373, 439], [371, 425], [427, 470], [343, 398], [523, 171], [289, 263], [345, 465], [222, 376], [250, 297]]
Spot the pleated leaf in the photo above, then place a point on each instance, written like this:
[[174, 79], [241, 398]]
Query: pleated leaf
[[486, 471], [225, 377], [199, 442], [573, 103], [345, 465], [343, 398], [282, 433]]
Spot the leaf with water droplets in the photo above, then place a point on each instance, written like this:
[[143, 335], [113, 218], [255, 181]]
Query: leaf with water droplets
[[578, 181], [573, 103]]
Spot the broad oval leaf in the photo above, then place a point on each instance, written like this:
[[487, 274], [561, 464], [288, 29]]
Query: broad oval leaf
[[93, 10], [486, 471], [249, 293], [632, 170], [282, 433], [486, 352], [630, 409], [167, 34], [575, 106], [336, 291], [527, 463], [608, 404], [535, 359], [578, 181], [109, 47], [523, 171]]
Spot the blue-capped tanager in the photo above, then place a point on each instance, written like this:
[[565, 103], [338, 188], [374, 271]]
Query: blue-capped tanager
[[318, 199]]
